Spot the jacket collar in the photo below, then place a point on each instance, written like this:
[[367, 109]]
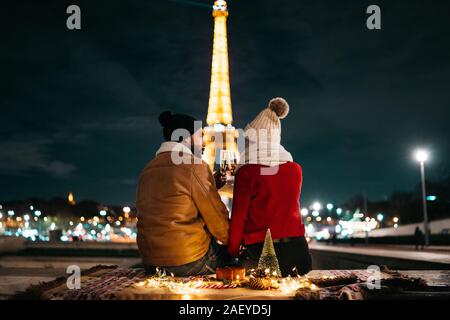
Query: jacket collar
[[170, 146]]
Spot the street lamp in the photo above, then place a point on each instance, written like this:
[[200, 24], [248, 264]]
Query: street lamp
[[380, 218], [422, 156]]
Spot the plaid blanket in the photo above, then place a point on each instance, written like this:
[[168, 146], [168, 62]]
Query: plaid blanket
[[110, 282], [103, 287]]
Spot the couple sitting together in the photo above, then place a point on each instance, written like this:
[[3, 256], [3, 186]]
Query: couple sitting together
[[184, 227]]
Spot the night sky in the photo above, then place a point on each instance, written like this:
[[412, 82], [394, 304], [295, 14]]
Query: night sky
[[79, 108]]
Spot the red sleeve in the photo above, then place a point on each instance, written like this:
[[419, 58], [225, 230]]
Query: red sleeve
[[241, 205]]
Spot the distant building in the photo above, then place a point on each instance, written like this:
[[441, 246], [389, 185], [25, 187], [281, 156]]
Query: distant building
[[71, 199]]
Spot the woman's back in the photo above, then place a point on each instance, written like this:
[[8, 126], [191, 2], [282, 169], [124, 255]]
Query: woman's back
[[262, 200]]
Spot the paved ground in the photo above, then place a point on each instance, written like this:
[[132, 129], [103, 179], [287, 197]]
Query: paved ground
[[433, 254], [395, 247], [18, 272]]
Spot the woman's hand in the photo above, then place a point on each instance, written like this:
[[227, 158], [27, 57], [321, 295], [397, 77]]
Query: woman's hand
[[220, 177]]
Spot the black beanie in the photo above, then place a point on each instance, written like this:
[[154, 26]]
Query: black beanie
[[172, 122]]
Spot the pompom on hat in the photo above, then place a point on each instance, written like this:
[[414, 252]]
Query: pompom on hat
[[280, 107], [269, 119]]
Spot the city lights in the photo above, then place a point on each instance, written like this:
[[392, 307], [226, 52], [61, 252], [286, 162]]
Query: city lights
[[316, 206], [109, 226], [126, 209]]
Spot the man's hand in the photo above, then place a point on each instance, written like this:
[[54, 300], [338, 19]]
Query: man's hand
[[220, 178]]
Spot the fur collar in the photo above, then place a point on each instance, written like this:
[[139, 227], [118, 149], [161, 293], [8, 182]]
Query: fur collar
[[170, 146]]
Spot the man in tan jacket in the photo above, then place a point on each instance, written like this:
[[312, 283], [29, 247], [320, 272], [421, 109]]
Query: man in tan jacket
[[180, 214]]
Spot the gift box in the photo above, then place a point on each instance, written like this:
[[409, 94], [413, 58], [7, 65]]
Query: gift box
[[230, 273]]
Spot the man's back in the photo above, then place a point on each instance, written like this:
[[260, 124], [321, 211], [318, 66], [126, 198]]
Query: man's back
[[174, 202]]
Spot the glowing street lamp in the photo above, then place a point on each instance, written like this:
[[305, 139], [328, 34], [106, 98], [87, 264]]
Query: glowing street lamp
[[380, 218], [422, 156]]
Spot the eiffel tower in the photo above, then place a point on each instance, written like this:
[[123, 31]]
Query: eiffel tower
[[219, 134]]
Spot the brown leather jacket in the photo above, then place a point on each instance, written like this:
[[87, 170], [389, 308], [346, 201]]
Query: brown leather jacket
[[174, 203]]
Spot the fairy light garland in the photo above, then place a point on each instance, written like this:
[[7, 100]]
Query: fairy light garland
[[194, 285]]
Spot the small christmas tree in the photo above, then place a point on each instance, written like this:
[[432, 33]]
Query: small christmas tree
[[268, 260]]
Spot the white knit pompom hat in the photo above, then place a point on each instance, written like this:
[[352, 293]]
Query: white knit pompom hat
[[269, 120]]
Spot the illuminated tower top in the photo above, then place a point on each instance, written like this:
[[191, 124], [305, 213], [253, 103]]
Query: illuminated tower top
[[219, 106]]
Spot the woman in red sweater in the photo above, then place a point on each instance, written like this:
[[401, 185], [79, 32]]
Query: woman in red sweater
[[266, 196]]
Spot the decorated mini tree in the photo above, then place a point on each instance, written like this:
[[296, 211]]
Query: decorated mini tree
[[268, 260]]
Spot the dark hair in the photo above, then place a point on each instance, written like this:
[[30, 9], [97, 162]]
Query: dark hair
[[171, 122]]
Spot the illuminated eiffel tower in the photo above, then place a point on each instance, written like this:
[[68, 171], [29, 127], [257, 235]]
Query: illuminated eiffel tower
[[220, 135]]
